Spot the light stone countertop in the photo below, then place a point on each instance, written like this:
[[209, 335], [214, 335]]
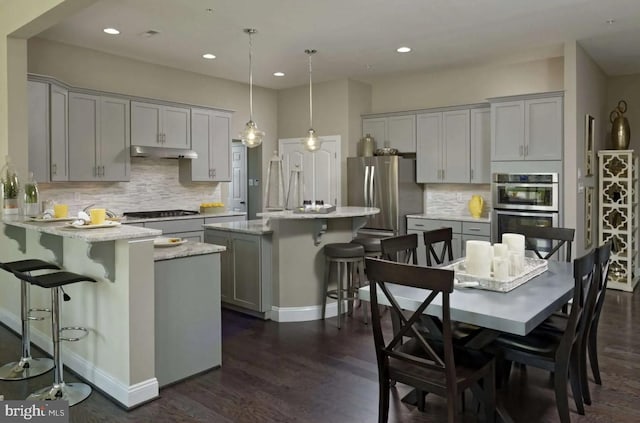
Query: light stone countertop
[[187, 249], [464, 218], [257, 226], [89, 235], [193, 216], [340, 212]]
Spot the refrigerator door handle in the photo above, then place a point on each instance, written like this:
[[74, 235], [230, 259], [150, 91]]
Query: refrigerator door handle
[[366, 188], [372, 198]]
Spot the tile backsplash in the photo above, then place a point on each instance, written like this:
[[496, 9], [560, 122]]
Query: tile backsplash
[[452, 199], [154, 185]]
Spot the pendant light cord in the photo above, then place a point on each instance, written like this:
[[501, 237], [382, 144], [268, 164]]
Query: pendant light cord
[[250, 78], [310, 96]]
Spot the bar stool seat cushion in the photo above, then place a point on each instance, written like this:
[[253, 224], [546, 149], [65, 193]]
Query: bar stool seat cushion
[[370, 244], [28, 265], [343, 250], [52, 280]]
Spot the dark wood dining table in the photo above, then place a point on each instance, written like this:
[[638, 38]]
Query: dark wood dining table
[[516, 312]]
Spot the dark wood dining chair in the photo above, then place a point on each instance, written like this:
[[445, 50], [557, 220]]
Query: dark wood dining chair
[[558, 353], [429, 365], [438, 239], [557, 236], [589, 345], [401, 248]]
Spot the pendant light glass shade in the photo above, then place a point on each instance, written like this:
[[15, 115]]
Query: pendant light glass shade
[[311, 142], [251, 136]]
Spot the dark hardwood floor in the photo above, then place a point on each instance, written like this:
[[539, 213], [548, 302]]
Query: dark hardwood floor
[[313, 372]]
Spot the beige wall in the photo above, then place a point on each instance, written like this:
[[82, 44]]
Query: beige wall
[[464, 85], [591, 98], [624, 88], [20, 20], [359, 104], [87, 68]]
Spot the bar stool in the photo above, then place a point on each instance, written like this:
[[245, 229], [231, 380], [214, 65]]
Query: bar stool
[[372, 247], [27, 367], [345, 256], [71, 392]]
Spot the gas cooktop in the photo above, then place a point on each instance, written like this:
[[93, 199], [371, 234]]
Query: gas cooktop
[[159, 213]]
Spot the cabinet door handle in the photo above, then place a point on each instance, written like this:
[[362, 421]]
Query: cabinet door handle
[[474, 229], [102, 171], [419, 224], [54, 169], [442, 174]]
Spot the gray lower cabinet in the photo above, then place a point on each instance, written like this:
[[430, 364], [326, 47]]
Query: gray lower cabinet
[[462, 231], [188, 336], [245, 270]]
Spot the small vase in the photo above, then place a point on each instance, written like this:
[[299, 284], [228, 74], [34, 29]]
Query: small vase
[[475, 206]]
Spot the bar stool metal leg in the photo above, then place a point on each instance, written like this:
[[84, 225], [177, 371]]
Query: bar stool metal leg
[[71, 392], [28, 366]]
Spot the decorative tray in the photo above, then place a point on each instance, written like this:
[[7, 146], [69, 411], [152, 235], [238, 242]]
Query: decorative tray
[[315, 209], [532, 268]]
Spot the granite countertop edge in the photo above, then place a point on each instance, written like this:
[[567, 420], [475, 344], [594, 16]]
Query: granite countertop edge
[[188, 249], [464, 218], [192, 216], [256, 227]]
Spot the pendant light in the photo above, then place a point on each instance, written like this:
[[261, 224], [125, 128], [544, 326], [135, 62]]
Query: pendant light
[[311, 141], [251, 136]]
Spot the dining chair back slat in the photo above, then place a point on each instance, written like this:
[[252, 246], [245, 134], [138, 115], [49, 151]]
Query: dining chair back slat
[[424, 363], [557, 236], [401, 248], [438, 238], [603, 260]]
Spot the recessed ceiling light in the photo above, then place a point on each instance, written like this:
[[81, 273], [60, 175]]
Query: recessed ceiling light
[[111, 31], [209, 56], [403, 50], [278, 74], [610, 21], [209, 9]]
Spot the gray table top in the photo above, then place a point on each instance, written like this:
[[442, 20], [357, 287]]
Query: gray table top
[[516, 312]]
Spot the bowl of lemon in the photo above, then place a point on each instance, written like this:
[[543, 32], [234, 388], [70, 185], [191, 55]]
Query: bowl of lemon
[[212, 208]]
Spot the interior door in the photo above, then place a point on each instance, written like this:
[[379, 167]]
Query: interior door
[[321, 171], [238, 186]]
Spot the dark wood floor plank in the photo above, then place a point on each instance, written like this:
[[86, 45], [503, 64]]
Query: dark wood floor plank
[[311, 372]]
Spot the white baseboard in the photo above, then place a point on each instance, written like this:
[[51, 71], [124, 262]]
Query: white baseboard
[[304, 314], [127, 395]]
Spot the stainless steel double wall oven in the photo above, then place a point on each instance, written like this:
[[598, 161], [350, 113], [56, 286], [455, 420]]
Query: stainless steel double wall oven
[[530, 199]]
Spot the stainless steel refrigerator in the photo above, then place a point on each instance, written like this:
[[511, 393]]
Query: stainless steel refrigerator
[[388, 183]]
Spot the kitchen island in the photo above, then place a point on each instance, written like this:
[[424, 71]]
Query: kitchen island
[[297, 259], [119, 354]]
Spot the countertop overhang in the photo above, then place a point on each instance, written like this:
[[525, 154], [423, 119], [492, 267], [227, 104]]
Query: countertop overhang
[[340, 212]]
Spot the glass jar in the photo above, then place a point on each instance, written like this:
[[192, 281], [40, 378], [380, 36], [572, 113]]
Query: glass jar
[[31, 197], [10, 189]]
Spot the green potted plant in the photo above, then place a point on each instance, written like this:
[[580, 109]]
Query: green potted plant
[[10, 189]]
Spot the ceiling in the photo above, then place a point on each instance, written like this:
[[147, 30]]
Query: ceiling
[[354, 38]]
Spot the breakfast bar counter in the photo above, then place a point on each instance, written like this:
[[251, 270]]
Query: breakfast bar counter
[[119, 354], [298, 258]]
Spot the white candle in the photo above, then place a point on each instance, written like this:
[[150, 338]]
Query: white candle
[[516, 263], [500, 268], [479, 255], [515, 242], [500, 250]]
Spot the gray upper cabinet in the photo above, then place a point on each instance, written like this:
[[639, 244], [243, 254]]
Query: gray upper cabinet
[[396, 131], [59, 103], [443, 147], [211, 139], [38, 93], [480, 146], [157, 125], [48, 131], [527, 129], [98, 138]]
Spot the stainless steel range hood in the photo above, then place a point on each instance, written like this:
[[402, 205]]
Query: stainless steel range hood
[[162, 152]]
